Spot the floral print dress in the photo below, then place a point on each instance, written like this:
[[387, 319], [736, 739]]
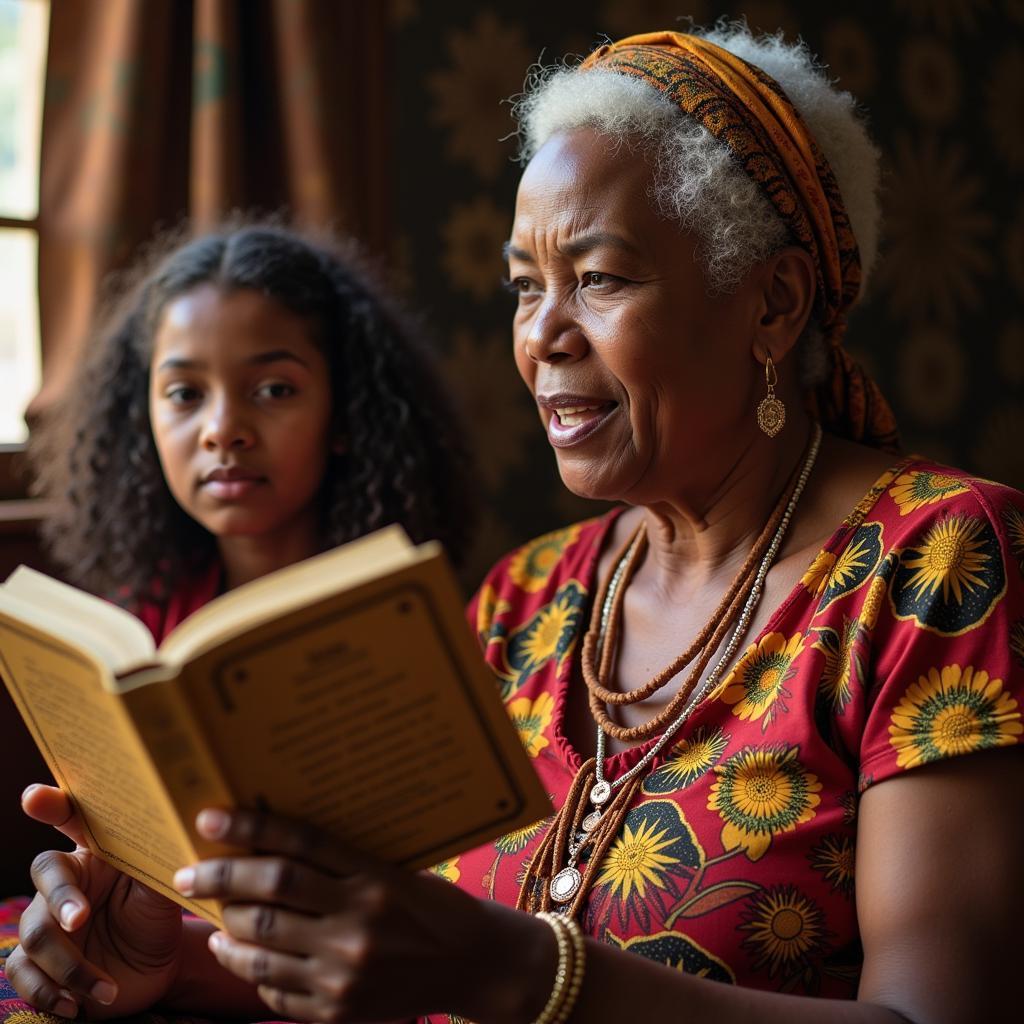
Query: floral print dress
[[902, 644]]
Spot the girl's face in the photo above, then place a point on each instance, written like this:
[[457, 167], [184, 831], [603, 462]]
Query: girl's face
[[240, 403]]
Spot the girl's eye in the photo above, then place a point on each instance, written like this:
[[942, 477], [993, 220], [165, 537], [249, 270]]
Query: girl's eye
[[276, 389], [182, 394]]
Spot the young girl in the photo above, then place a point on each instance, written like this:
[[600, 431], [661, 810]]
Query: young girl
[[253, 400]]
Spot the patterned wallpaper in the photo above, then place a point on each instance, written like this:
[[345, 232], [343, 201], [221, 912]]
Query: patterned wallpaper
[[942, 327]]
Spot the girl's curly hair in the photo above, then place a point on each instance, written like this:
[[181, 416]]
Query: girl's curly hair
[[115, 528]]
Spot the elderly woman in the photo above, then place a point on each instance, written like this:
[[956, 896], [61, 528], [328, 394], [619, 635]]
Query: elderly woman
[[760, 668]]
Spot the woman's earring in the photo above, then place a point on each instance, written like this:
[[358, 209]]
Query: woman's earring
[[771, 413]]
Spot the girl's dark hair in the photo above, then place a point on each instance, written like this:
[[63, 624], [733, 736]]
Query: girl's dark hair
[[116, 529]]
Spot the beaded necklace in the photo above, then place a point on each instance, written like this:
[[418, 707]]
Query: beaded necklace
[[577, 829]]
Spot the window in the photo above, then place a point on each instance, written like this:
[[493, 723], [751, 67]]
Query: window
[[23, 34]]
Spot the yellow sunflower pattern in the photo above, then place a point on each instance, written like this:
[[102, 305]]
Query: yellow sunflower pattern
[[649, 866], [851, 568], [921, 487], [531, 719], [638, 858], [839, 672], [816, 578], [549, 634], [760, 793], [518, 840], [756, 686], [1017, 641], [848, 804], [1013, 519], [488, 608], [952, 711], [834, 858], [448, 870], [950, 582], [784, 930], [691, 758], [531, 566]]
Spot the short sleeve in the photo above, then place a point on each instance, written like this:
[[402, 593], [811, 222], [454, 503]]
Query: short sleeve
[[947, 615]]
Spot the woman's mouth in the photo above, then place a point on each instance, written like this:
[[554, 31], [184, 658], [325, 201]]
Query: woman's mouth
[[572, 423]]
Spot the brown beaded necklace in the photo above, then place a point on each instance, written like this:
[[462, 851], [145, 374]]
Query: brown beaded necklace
[[552, 875]]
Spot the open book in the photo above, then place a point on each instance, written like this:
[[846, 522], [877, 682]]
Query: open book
[[346, 691]]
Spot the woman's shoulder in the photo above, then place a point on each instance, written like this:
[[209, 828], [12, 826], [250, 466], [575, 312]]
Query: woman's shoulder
[[557, 567], [546, 560], [921, 494]]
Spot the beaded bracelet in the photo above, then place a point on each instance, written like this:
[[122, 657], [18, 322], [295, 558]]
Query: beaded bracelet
[[569, 971]]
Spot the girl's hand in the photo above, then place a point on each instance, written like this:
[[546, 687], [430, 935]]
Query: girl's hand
[[329, 935], [93, 939]]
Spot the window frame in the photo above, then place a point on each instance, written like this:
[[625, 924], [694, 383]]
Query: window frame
[[13, 484]]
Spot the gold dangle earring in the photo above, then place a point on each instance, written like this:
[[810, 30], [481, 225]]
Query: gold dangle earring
[[771, 413]]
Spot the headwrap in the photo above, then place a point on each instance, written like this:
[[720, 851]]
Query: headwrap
[[747, 111]]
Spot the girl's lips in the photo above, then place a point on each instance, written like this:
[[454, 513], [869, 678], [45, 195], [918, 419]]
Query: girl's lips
[[563, 435], [232, 490]]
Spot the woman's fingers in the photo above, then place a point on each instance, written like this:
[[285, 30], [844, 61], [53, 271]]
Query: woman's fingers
[[296, 988], [51, 806], [262, 966], [50, 966], [269, 833], [273, 880]]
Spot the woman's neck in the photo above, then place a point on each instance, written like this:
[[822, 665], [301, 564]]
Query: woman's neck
[[694, 538]]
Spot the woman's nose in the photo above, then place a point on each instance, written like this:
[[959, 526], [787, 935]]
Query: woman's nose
[[552, 336], [226, 427]]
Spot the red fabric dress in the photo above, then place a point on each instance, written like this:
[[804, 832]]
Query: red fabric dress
[[902, 644], [189, 597]]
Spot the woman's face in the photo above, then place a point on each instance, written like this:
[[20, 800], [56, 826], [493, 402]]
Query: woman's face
[[645, 384]]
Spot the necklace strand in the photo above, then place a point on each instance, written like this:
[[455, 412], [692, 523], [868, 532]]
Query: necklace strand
[[753, 599], [574, 831]]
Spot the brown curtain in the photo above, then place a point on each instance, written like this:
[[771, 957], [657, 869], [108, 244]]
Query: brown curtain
[[160, 109]]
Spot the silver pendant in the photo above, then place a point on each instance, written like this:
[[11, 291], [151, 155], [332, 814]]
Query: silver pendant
[[600, 792], [591, 821], [565, 885]]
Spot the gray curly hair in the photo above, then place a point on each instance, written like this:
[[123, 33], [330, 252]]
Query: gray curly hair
[[697, 181]]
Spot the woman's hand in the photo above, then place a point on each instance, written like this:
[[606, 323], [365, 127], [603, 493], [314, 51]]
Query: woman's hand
[[93, 939], [329, 935]]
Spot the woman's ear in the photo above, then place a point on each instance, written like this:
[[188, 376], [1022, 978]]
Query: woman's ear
[[787, 300]]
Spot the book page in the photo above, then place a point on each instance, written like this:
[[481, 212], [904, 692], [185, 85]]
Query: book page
[[288, 588], [113, 634], [372, 715], [94, 754]]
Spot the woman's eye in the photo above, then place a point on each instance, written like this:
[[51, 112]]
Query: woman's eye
[[595, 279], [519, 285], [276, 389]]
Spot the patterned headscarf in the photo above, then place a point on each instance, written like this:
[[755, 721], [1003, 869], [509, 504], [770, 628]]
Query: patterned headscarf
[[747, 111]]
